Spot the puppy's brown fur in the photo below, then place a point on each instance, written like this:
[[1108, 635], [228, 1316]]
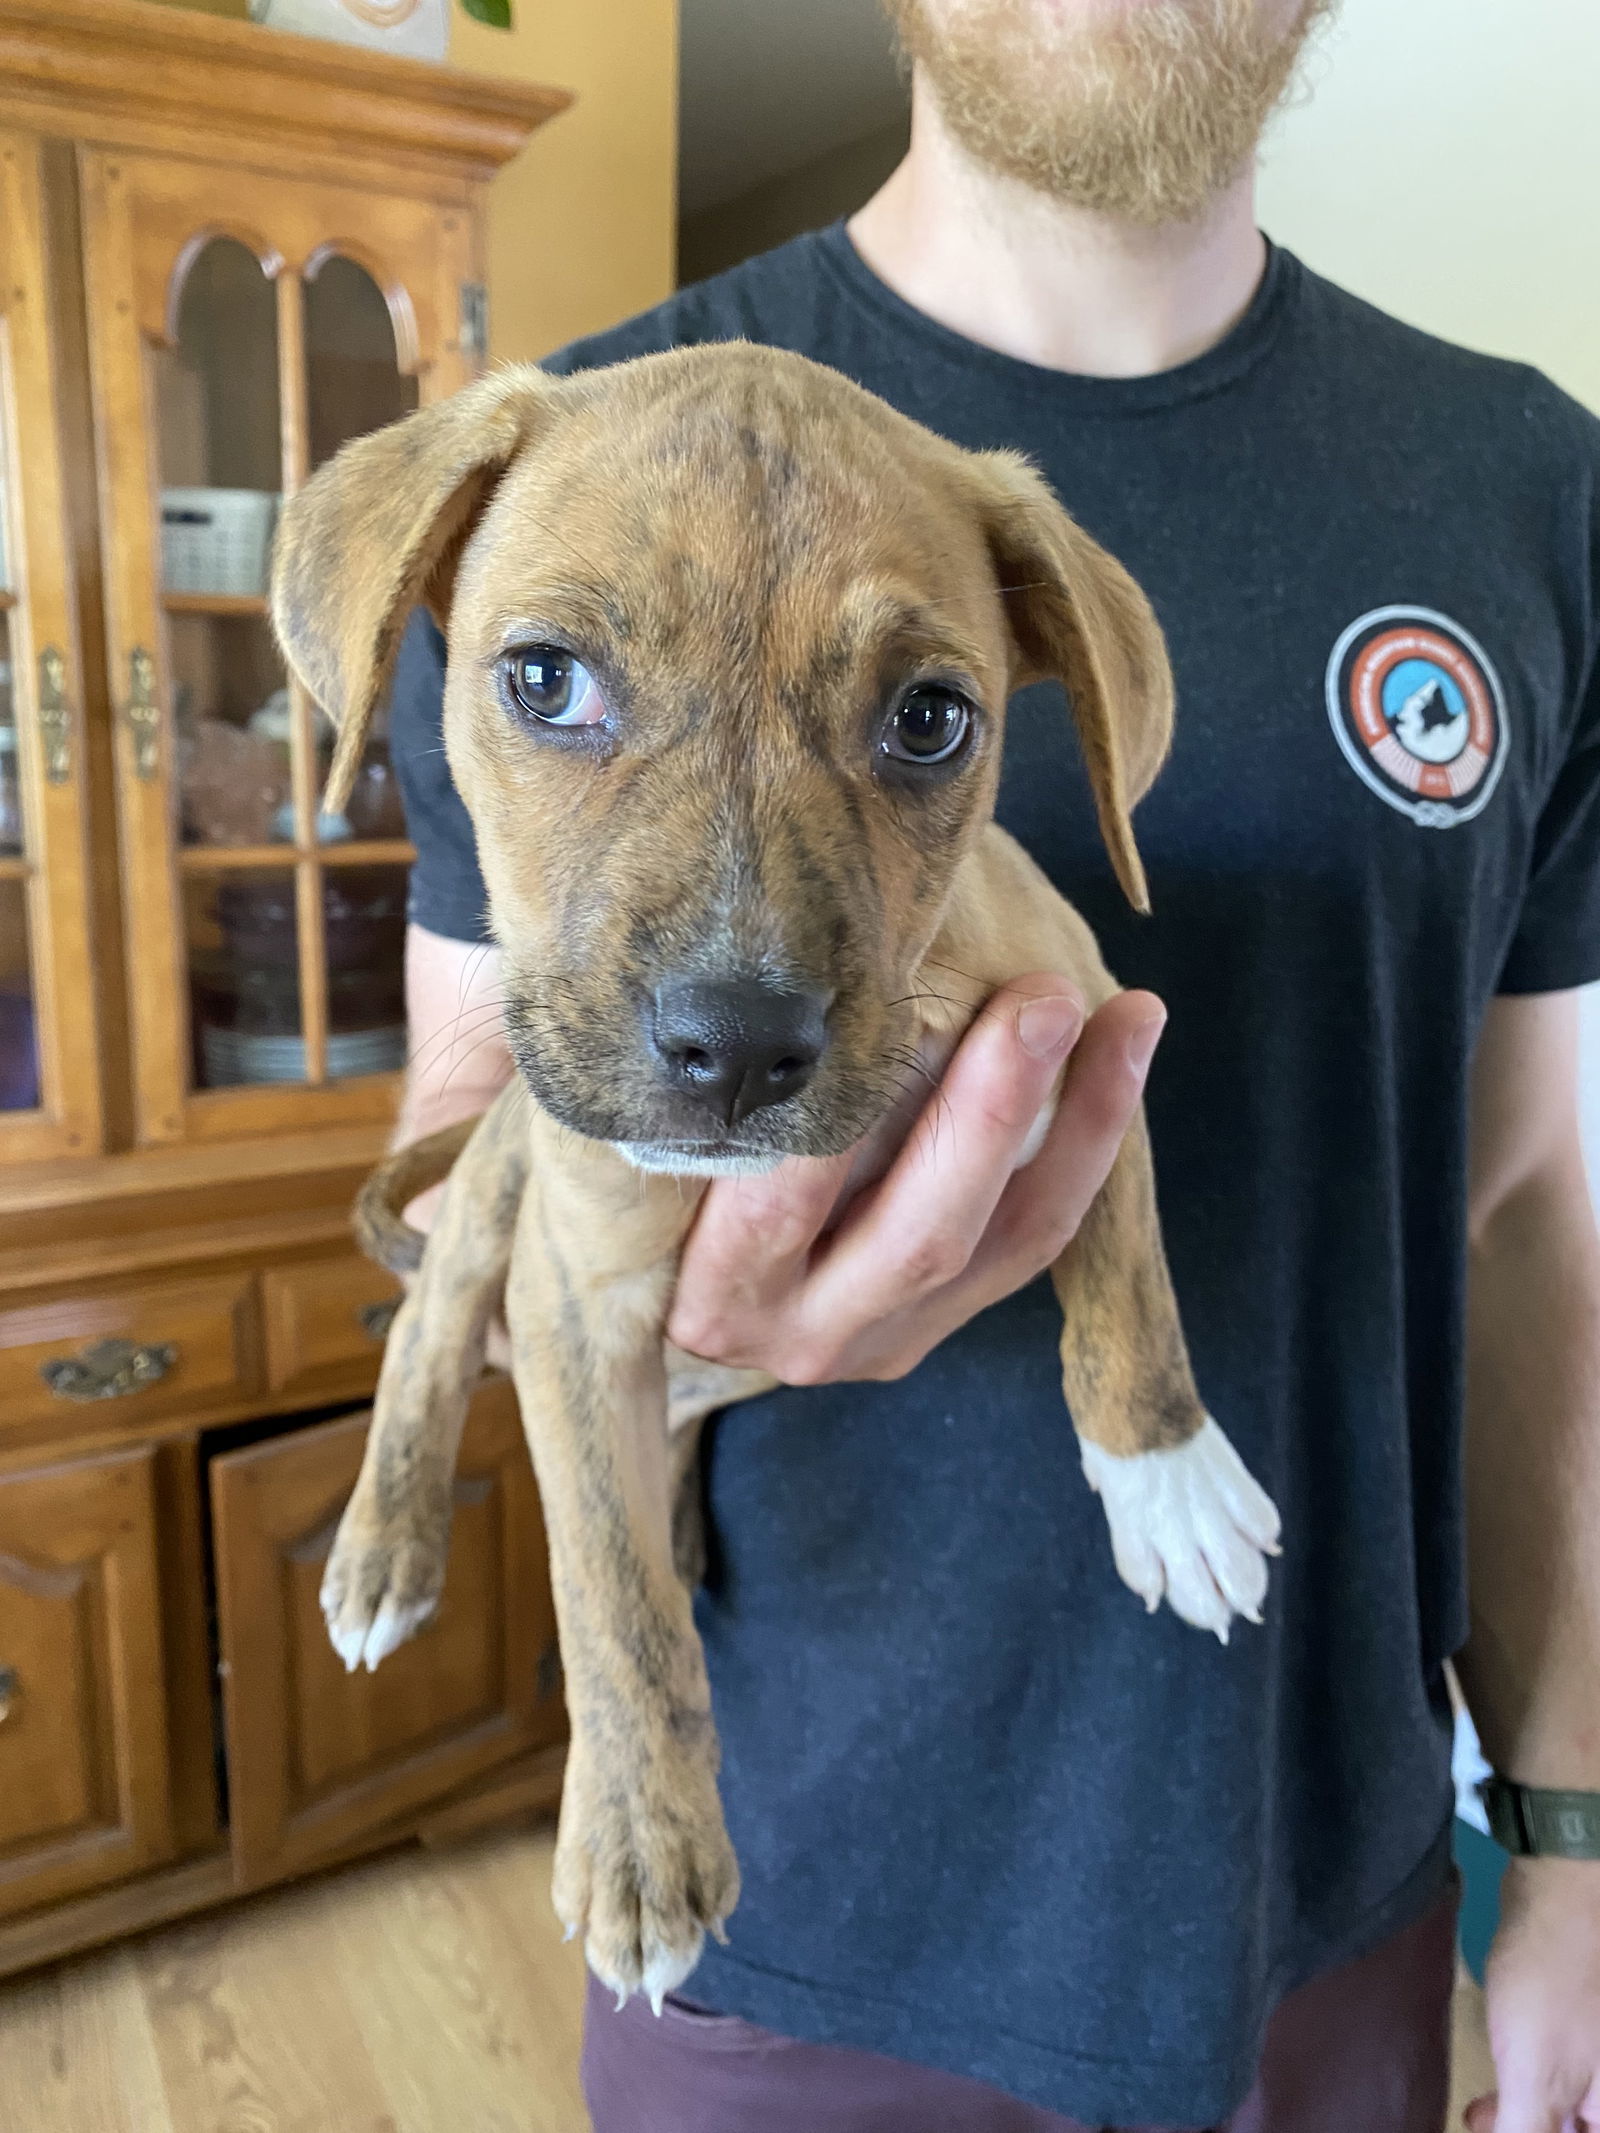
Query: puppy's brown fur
[[756, 560]]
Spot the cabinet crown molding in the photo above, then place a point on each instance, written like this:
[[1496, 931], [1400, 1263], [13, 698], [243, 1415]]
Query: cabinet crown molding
[[130, 73]]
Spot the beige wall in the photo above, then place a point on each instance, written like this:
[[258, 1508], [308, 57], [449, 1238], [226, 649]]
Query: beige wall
[[1447, 166], [805, 199], [582, 225]]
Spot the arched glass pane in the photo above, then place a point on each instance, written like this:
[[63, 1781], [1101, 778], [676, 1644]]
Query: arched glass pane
[[218, 389], [217, 395], [354, 384], [353, 377]]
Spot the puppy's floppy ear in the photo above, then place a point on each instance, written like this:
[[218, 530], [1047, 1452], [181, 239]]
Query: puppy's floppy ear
[[1076, 616], [380, 528]]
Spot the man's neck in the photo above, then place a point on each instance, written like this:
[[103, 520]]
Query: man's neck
[[1052, 284]]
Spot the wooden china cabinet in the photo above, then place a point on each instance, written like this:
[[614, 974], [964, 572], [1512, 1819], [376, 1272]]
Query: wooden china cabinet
[[223, 251]]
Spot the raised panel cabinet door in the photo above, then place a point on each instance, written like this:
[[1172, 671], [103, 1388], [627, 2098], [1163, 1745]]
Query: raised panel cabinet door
[[242, 324], [49, 1074], [317, 1758], [84, 1791]]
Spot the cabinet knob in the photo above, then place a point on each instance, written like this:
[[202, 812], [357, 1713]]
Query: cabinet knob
[[376, 1319], [108, 1370], [55, 715], [10, 1688], [144, 713]]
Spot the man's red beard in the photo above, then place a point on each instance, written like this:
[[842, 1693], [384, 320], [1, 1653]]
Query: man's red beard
[[1142, 112]]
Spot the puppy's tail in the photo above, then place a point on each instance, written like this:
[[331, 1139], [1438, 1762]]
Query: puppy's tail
[[378, 1215]]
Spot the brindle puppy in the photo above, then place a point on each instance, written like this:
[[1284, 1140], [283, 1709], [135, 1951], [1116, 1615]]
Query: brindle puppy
[[730, 648]]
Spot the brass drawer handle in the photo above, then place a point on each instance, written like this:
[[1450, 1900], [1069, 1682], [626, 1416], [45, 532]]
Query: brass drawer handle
[[144, 713], [376, 1319], [10, 1688], [55, 715], [108, 1370]]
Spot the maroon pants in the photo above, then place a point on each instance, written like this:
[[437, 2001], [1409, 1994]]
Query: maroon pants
[[1363, 2049]]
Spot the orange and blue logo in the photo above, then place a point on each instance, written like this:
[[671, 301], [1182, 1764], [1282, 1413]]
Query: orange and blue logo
[[1418, 711]]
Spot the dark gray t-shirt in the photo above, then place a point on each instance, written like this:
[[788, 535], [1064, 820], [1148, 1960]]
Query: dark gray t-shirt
[[990, 1816]]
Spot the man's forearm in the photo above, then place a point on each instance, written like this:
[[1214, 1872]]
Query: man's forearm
[[1531, 1670], [458, 1059]]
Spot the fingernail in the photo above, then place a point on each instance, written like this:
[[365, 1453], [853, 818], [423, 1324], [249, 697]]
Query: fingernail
[[1049, 1027], [1142, 1044]]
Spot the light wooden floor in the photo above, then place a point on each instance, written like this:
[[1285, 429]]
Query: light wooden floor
[[424, 1992]]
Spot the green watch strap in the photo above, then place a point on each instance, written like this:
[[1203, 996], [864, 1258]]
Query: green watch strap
[[1535, 1824]]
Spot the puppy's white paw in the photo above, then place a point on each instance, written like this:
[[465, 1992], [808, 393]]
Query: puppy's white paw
[[1189, 1525], [664, 1971], [643, 1869], [382, 1582]]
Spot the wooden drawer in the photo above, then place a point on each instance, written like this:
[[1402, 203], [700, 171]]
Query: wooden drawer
[[84, 1788], [325, 1323], [186, 1345]]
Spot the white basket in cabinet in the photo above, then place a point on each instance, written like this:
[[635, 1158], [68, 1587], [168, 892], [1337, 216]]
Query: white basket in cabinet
[[216, 540]]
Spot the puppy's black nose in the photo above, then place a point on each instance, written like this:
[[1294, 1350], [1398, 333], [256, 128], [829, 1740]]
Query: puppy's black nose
[[738, 1045]]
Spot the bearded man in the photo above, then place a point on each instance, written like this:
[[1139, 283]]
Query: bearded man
[[1017, 1859]]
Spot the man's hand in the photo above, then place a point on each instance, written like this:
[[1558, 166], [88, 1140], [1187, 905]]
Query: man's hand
[[1543, 1991], [459, 1060], [951, 1228]]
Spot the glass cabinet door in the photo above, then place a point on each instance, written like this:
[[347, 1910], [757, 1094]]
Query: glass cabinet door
[[49, 1074], [242, 329]]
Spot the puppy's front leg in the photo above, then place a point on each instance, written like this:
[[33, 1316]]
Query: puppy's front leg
[[386, 1569], [643, 1866], [1188, 1522]]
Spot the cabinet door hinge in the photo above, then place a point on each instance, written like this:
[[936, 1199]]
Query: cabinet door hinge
[[55, 715], [144, 714], [474, 320]]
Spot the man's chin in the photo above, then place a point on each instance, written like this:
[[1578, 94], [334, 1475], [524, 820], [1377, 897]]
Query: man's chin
[[1142, 113]]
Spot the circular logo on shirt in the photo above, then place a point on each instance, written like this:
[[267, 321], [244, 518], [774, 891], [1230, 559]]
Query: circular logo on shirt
[[1419, 713]]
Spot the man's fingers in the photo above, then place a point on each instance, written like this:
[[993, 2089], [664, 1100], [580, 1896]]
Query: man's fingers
[[752, 1242], [1042, 1206], [916, 1233], [926, 1243], [748, 1248]]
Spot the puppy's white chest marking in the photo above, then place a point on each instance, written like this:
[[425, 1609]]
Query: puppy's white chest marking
[[1190, 1525]]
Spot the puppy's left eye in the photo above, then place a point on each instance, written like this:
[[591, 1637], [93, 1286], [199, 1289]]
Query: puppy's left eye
[[930, 725], [553, 687]]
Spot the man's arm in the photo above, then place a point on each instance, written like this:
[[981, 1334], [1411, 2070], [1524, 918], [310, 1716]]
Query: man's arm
[[458, 1061], [457, 1056], [1531, 1670]]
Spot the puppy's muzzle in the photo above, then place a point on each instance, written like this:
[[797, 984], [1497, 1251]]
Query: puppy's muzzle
[[737, 1045]]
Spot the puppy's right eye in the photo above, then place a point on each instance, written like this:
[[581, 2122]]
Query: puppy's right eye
[[553, 687]]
